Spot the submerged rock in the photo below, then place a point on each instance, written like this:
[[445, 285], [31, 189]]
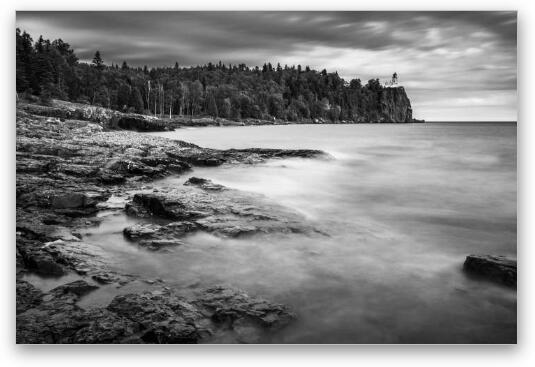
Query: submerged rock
[[496, 268]]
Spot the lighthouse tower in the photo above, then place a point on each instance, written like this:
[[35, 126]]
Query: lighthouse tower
[[395, 79], [392, 83]]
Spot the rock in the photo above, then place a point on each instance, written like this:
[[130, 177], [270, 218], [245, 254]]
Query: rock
[[155, 237], [105, 278], [228, 305], [27, 296], [68, 200], [138, 231], [57, 319], [393, 106], [156, 245], [164, 317], [140, 123], [264, 153], [164, 206], [224, 212], [75, 200], [204, 184], [39, 260], [496, 268], [159, 316], [78, 288]]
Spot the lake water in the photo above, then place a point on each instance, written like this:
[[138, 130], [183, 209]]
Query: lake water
[[403, 204]]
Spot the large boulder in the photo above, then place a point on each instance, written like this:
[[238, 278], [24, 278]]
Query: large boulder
[[496, 268]]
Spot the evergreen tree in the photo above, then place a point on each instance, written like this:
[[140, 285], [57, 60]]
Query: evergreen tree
[[136, 101], [123, 97], [97, 61], [51, 70], [211, 108]]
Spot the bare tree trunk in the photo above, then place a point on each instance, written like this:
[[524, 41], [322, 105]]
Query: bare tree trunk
[[148, 96], [163, 102]]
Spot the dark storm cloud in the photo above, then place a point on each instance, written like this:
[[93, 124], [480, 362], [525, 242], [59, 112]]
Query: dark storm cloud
[[449, 50], [221, 31]]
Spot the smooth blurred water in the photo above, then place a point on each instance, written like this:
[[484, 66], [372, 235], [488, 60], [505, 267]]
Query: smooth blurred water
[[404, 205]]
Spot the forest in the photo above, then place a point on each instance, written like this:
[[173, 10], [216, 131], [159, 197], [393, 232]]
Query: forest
[[51, 70]]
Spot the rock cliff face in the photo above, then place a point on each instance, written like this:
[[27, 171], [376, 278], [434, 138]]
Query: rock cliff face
[[394, 106]]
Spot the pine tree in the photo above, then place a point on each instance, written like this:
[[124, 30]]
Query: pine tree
[[24, 55], [97, 61]]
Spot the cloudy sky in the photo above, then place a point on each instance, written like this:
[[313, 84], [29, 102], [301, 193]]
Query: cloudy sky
[[454, 65]]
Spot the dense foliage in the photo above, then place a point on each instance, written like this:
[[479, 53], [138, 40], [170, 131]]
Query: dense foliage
[[52, 70]]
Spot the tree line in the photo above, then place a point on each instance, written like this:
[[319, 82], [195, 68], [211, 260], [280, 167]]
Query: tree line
[[51, 69]]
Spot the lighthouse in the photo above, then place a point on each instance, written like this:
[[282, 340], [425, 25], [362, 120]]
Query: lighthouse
[[395, 79], [392, 83]]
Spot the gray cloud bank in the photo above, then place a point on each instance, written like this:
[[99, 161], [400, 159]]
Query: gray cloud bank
[[454, 65]]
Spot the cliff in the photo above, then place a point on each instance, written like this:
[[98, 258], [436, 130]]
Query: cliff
[[394, 106]]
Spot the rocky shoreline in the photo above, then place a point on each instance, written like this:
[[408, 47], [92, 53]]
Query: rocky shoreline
[[73, 165], [68, 168], [114, 120]]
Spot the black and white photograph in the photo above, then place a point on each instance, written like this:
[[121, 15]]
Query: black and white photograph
[[265, 177]]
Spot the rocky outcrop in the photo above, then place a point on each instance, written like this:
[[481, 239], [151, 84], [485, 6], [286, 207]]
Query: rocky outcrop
[[496, 268], [217, 314], [108, 118], [394, 106], [202, 205]]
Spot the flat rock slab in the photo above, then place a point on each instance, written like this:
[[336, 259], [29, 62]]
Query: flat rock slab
[[496, 268], [223, 212]]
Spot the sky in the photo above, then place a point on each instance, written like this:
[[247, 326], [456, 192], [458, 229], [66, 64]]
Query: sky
[[455, 66]]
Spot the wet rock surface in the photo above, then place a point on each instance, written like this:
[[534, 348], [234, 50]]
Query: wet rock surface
[[202, 206], [495, 268], [68, 168], [218, 314]]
